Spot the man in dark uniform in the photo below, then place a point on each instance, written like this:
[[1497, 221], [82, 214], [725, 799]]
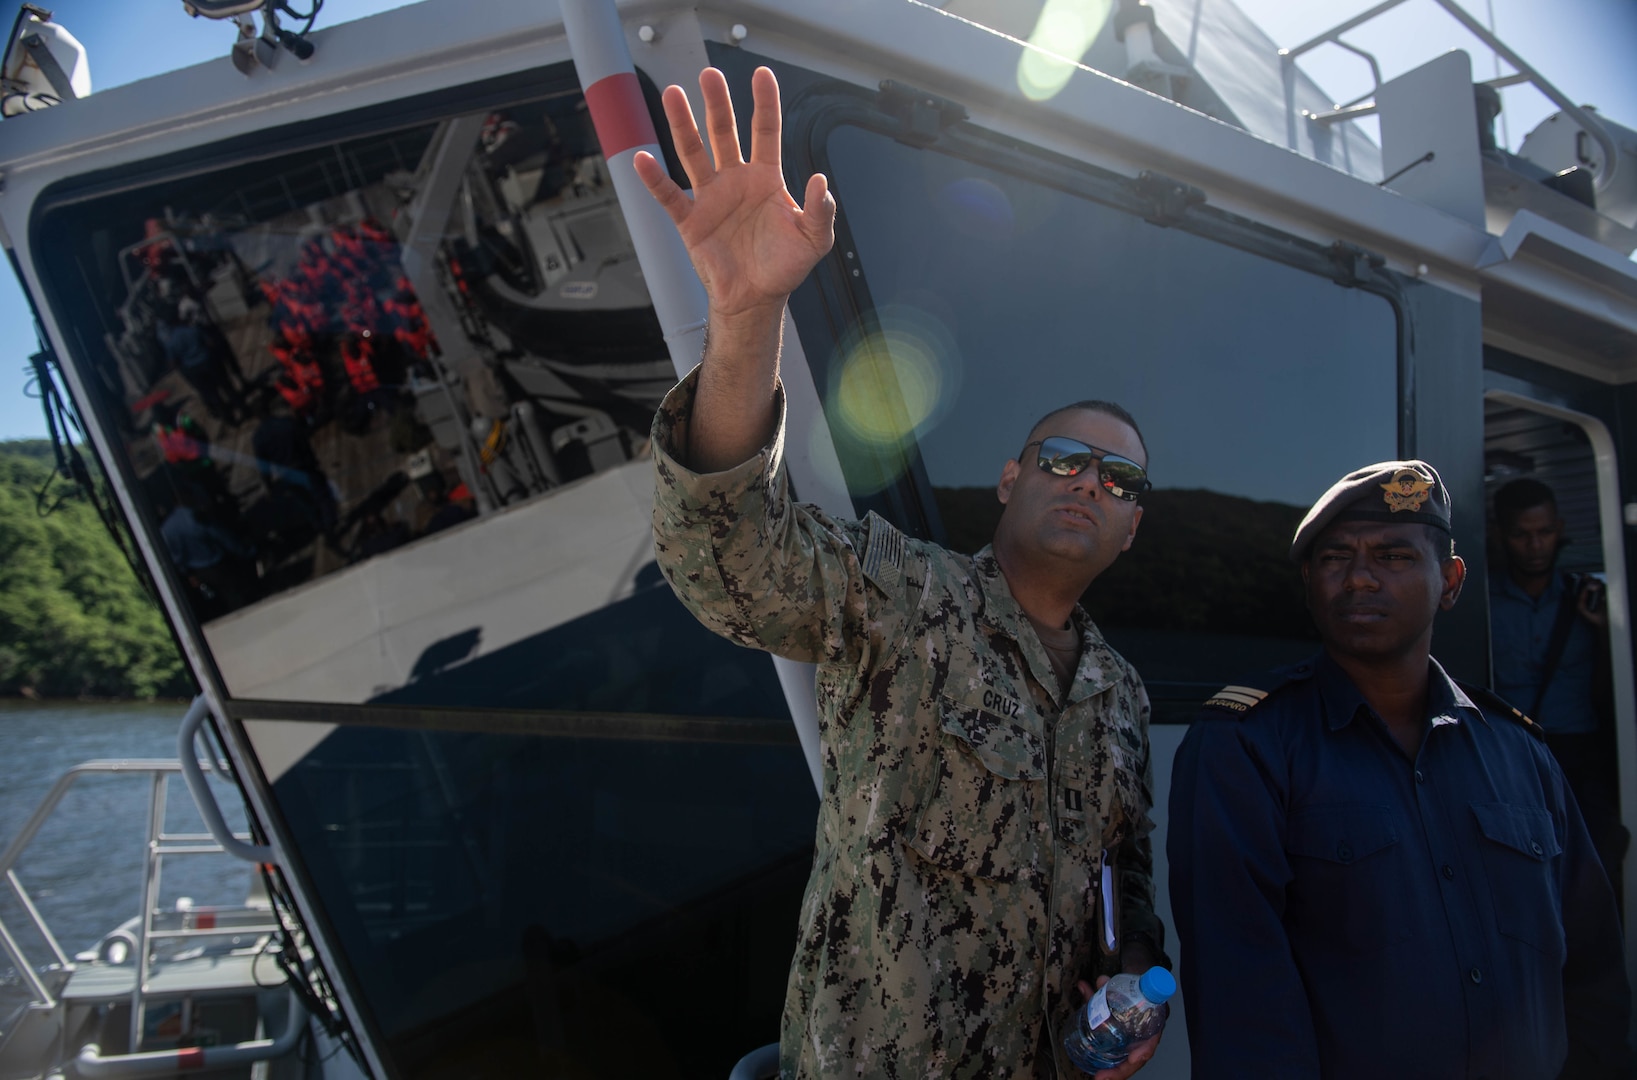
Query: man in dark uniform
[[1375, 870], [1549, 636]]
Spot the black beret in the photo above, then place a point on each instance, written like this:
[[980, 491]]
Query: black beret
[[1396, 492]]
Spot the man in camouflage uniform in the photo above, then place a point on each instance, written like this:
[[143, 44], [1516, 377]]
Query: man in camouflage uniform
[[982, 838]]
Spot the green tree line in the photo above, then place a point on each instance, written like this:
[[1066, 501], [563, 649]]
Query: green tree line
[[74, 619]]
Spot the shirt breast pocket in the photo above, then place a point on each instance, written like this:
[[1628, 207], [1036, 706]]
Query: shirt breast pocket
[[980, 818], [1519, 845], [1346, 880]]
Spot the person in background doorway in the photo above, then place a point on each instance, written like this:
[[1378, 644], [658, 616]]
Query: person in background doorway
[[1550, 638]]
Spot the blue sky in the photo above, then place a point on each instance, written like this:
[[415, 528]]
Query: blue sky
[[1583, 46]]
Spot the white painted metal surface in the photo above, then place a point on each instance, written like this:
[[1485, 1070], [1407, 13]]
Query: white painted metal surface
[[1429, 149]]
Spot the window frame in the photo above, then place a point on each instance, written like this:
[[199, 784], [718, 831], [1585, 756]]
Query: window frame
[[837, 297]]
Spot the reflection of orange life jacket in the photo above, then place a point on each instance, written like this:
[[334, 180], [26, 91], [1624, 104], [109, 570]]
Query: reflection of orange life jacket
[[295, 395], [300, 366], [308, 373], [417, 340], [409, 324], [356, 355], [298, 337], [178, 446]]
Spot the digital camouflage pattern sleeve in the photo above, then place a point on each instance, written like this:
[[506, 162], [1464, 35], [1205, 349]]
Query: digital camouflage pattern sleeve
[[760, 569]]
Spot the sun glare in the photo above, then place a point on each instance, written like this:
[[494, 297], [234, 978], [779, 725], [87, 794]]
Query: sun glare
[[894, 381], [1065, 30]]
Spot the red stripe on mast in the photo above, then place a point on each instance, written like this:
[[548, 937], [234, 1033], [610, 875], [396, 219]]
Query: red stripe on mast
[[619, 113]]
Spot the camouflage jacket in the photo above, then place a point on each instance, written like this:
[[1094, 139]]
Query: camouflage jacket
[[968, 805]]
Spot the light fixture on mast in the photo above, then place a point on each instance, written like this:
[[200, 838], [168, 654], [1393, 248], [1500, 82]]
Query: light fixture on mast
[[44, 65], [260, 49]]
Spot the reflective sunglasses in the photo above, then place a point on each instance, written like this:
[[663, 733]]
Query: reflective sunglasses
[[1121, 477]]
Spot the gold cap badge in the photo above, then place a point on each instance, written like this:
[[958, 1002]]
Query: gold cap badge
[[1407, 490]]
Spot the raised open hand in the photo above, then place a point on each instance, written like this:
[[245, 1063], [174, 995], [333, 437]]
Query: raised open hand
[[750, 243]]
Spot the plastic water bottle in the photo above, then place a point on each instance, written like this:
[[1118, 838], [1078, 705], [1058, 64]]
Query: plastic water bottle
[[1127, 1009]]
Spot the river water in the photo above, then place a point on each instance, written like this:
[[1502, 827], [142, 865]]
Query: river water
[[84, 870]]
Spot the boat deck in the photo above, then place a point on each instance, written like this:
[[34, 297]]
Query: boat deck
[[233, 973]]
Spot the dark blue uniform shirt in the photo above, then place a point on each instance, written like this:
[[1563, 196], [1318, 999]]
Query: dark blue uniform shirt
[[1344, 911], [1520, 631]]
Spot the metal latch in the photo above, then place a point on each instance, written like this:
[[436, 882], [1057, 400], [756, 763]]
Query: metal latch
[[1352, 265], [1168, 200], [921, 116]]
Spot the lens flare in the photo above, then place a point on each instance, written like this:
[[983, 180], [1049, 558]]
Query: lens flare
[[1062, 34], [977, 207], [888, 387], [895, 380]]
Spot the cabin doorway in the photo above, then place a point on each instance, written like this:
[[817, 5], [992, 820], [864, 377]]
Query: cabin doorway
[[1573, 453]]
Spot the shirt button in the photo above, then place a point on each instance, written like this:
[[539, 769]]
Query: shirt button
[[1449, 871], [1419, 779], [1534, 845], [1476, 976], [1344, 851]]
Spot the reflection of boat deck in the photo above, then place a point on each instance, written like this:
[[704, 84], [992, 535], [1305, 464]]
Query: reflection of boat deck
[[361, 631]]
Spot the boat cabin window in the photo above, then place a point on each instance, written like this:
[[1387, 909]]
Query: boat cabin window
[[995, 298], [386, 399]]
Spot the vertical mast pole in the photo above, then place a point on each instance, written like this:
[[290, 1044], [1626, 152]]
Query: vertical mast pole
[[603, 60], [596, 40]]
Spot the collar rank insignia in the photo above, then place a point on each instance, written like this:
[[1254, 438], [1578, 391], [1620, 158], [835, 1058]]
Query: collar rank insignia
[[1407, 490]]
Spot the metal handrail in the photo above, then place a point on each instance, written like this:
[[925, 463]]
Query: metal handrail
[[34, 914], [203, 796], [1353, 110], [1588, 122], [156, 769], [36, 985], [8, 860], [92, 1062]]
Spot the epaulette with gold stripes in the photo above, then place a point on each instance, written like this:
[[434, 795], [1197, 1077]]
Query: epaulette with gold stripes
[[1240, 698], [1236, 699], [1494, 701]]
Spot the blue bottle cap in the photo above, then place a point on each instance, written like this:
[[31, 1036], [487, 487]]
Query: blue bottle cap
[[1157, 985]]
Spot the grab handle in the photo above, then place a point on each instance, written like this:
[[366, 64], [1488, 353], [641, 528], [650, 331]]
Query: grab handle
[[203, 797], [92, 1062]]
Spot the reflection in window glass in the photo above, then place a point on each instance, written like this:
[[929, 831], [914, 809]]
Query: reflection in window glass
[[329, 364], [552, 906], [334, 353], [1256, 386]]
